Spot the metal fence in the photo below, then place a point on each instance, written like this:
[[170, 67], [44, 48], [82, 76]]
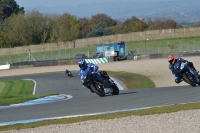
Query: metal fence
[[58, 54], [189, 44]]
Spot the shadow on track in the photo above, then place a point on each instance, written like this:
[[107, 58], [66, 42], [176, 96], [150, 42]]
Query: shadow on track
[[125, 93]]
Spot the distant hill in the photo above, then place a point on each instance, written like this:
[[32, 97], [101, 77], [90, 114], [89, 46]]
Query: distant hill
[[182, 11]]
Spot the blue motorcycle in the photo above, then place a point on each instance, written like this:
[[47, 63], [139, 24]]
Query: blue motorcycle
[[95, 82], [186, 73]]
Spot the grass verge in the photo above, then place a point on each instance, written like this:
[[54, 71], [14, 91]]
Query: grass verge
[[133, 81], [17, 91]]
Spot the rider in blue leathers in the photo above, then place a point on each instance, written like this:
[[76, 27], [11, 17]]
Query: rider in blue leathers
[[172, 61], [91, 68]]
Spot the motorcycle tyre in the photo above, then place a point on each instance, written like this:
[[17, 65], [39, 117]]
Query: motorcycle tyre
[[98, 92], [185, 78], [115, 90]]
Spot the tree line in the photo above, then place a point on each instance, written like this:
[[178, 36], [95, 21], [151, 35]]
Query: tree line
[[20, 28]]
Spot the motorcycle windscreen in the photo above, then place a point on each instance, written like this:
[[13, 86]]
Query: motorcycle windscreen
[[177, 67], [87, 72]]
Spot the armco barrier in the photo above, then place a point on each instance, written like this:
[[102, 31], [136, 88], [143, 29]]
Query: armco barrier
[[191, 54], [158, 55], [34, 64], [68, 62], [45, 63]]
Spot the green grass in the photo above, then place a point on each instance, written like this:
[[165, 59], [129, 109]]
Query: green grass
[[126, 78], [165, 45], [17, 91], [133, 81]]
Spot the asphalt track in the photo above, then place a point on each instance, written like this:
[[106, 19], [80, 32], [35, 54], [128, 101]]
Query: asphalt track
[[85, 102]]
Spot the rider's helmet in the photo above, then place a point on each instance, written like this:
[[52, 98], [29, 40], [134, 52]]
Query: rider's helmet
[[171, 59], [82, 63]]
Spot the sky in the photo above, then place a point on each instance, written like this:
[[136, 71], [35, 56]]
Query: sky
[[51, 3], [85, 8], [80, 8], [116, 9], [46, 3], [62, 3], [55, 6]]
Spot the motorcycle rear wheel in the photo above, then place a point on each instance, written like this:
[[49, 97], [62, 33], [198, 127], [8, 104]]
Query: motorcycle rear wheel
[[187, 80]]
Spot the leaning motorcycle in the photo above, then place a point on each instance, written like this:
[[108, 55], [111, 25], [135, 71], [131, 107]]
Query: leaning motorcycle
[[68, 73], [186, 73], [95, 84]]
